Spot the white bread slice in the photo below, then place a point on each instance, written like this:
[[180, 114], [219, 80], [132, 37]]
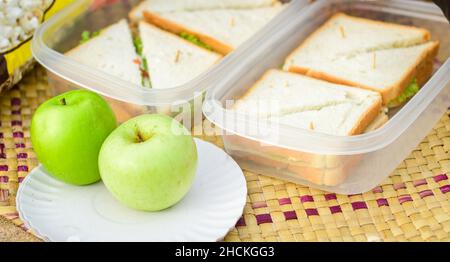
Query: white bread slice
[[222, 29], [316, 162], [112, 52], [310, 103], [173, 61], [160, 6], [316, 168], [387, 71], [246, 147], [364, 53], [378, 122], [344, 35], [340, 119], [294, 171], [239, 144]]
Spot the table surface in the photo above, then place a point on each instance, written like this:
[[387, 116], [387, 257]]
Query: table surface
[[412, 204]]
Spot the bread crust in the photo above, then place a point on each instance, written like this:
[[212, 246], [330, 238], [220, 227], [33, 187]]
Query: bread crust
[[292, 172], [132, 15], [425, 67], [176, 28], [424, 63], [378, 122], [315, 160], [243, 142], [327, 177], [367, 118]]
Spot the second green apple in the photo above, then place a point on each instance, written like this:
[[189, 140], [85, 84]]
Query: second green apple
[[149, 162]]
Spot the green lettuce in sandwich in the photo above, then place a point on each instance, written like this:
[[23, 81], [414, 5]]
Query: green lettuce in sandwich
[[195, 40], [409, 92], [87, 35], [143, 63]]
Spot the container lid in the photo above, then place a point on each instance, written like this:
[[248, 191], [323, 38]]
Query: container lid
[[114, 87], [306, 140]]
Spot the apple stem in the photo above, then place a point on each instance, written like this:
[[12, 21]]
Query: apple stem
[[139, 137], [63, 101]]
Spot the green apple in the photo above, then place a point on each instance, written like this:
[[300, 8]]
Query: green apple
[[149, 162], [67, 132]]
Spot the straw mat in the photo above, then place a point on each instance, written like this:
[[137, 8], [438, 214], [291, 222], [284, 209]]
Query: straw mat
[[413, 204]]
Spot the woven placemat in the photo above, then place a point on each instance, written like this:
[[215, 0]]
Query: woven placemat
[[412, 204]]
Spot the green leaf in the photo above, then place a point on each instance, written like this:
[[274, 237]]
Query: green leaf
[[409, 92], [138, 45], [193, 39], [86, 36], [145, 64]]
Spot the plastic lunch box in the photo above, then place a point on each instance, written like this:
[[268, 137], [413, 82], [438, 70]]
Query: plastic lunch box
[[347, 165], [63, 31]]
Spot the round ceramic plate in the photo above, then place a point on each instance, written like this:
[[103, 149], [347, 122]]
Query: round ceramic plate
[[61, 212]]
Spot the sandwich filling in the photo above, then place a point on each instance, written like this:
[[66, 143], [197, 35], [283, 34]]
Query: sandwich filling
[[409, 92], [195, 40], [142, 62], [87, 35], [173, 61]]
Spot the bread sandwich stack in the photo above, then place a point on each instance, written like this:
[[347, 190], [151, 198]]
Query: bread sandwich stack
[[167, 43], [342, 80]]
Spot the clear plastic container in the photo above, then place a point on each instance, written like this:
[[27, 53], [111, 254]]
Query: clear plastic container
[[347, 165], [62, 32]]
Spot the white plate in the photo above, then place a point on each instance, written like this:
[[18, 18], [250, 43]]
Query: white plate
[[61, 212]]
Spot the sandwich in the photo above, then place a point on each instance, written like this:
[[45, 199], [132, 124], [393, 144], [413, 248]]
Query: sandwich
[[111, 51], [172, 60], [339, 81], [221, 30], [310, 104], [394, 60], [154, 59], [289, 168], [161, 6]]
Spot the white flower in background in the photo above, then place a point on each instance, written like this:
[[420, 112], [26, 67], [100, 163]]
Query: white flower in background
[[29, 22], [19, 19], [4, 43], [30, 4], [12, 13]]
